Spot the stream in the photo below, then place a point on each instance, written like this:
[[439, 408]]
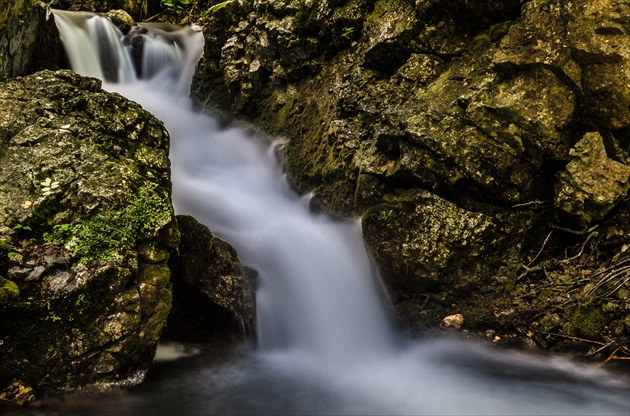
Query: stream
[[327, 344]]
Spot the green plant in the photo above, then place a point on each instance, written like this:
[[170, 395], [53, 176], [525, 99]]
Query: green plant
[[48, 186], [303, 22], [219, 6], [348, 33], [22, 227], [176, 6], [60, 234]]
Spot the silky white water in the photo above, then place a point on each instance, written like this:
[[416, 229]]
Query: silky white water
[[325, 341]]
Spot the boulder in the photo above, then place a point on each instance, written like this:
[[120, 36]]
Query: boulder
[[591, 185], [29, 40], [431, 252], [87, 228], [213, 293]]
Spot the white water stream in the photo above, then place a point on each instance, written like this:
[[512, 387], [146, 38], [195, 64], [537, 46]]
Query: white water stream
[[326, 344]]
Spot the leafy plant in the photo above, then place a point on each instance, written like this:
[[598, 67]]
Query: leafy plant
[[219, 6], [176, 6], [22, 227], [60, 234], [348, 33], [48, 186]]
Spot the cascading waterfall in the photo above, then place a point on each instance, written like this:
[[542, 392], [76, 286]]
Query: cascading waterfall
[[326, 345]]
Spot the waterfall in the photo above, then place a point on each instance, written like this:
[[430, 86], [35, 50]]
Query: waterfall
[[326, 343]]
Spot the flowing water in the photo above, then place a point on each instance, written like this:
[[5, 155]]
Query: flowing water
[[325, 341]]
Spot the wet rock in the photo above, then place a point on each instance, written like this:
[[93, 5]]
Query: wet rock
[[88, 252], [134, 39], [16, 393], [29, 40], [592, 184], [212, 290], [424, 244], [122, 20], [435, 114]]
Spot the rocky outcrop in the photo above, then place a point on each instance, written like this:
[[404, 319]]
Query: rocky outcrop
[[213, 292], [455, 129], [28, 38], [86, 230]]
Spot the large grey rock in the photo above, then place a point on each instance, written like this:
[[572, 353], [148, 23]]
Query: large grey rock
[[87, 229]]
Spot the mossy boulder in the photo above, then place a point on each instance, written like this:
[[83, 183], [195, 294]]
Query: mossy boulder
[[438, 259], [85, 205]]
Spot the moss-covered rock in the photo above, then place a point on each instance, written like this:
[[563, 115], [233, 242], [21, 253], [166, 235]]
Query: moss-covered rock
[[86, 199], [438, 259], [592, 184]]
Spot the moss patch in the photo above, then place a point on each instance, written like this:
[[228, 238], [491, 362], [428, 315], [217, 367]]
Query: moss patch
[[8, 290], [104, 234]]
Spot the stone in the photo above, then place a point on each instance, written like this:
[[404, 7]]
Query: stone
[[29, 40], [591, 185], [122, 20], [93, 244], [16, 393], [211, 288], [453, 321]]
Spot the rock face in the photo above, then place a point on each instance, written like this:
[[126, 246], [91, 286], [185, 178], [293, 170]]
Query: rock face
[[455, 128], [28, 38], [86, 230], [212, 291]]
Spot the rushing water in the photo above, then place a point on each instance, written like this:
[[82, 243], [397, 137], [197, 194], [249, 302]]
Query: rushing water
[[326, 344]]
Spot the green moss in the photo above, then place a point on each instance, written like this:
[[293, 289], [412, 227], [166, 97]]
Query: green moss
[[100, 237], [8, 290], [11, 12], [586, 323], [304, 23], [6, 246]]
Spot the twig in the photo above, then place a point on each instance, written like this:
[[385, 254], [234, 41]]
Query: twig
[[600, 349], [572, 338], [155, 16], [574, 232], [541, 249], [568, 259], [526, 204]]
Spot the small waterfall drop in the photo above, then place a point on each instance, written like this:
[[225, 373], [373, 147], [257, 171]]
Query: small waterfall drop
[[326, 344]]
